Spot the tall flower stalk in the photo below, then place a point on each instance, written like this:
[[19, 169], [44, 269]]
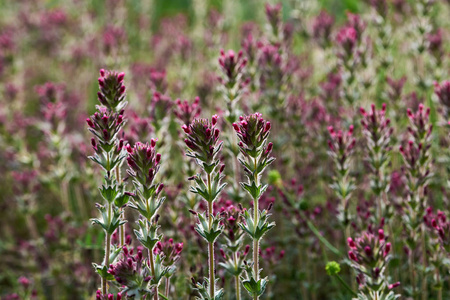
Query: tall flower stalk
[[105, 125], [377, 131], [417, 159], [253, 132], [341, 147], [204, 147], [144, 162]]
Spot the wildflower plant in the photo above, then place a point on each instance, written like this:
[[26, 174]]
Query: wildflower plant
[[253, 132], [377, 131], [144, 163], [417, 159], [106, 124], [204, 147], [418, 163], [341, 146], [172, 253]]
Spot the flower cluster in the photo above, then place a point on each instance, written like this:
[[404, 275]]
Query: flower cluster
[[369, 254], [144, 162], [144, 165], [253, 132], [203, 142], [112, 90]]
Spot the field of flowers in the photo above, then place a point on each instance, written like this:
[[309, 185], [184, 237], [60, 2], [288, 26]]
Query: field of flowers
[[197, 149]]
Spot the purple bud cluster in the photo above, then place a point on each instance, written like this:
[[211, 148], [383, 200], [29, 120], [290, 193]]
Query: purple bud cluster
[[341, 145], [105, 125], [112, 90], [143, 161], [369, 254], [203, 140], [253, 131]]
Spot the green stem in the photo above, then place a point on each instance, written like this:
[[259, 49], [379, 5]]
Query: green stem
[[322, 238], [107, 249], [424, 262], [238, 282], [255, 219], [211, 245], [122, 215], [167, 286], [346, 285], [152, 267], [162, 296]]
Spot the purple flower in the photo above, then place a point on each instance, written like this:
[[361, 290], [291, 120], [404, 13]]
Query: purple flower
[[203, 141]]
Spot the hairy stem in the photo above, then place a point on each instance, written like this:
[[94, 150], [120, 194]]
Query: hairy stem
[[237, 280], [211, 245], [424, 262], [107, 248], [167, 286], [152, 267], [122, 215], [256, 242]]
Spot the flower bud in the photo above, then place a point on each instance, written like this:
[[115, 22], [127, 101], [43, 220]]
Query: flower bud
[[120, 77]]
